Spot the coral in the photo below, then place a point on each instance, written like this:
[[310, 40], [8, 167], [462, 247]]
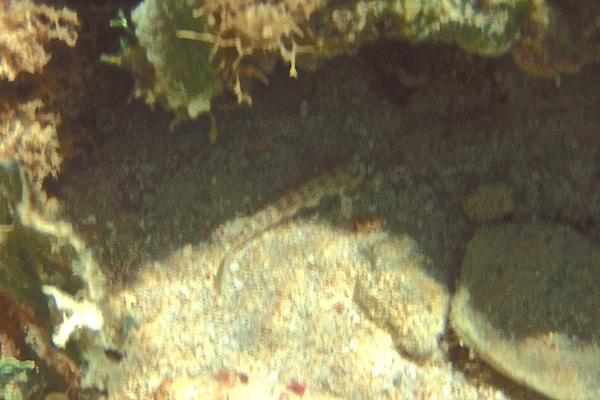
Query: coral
[[41, 255], [195, 45], [77, 314], [180, 76], [247, 35], [27, 259], [28, 134], [28, 131], [187, 50], [487, 28], [25, 28], [86, 308], [185, 75]]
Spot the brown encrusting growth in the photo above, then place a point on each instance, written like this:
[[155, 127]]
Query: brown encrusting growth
[[28, 131]]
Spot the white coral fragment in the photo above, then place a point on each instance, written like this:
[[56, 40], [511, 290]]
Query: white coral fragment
[[77, 314]]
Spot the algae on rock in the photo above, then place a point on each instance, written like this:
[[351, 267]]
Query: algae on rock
[[179, 74], [234, 42], [15, 381]]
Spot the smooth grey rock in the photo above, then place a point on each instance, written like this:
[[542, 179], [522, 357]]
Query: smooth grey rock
[[528, 302]]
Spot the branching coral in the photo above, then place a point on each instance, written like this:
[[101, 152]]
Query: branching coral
[[191, 47], [77, 315], [248, 34], [195, 45], [27, 131], [29, 135], [35, 240], [25, 28]]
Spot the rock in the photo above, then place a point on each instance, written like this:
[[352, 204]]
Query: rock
[[528, 302], [401, 297]]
